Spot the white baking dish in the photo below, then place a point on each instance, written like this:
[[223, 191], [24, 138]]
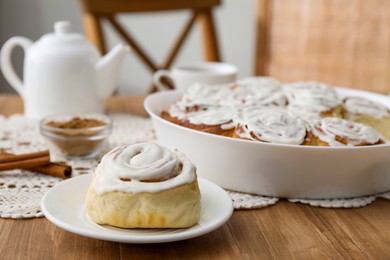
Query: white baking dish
[[277, 170]]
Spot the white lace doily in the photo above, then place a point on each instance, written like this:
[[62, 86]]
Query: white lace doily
[[21, 191]]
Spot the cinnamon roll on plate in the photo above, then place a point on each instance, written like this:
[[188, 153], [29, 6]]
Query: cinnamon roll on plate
[[144, 185]]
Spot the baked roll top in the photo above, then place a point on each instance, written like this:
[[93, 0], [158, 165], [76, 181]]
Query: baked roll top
[[142, 167], [333, 131], [254, 91], [361, 106], [144, 186], [274, 125], [311, 100]]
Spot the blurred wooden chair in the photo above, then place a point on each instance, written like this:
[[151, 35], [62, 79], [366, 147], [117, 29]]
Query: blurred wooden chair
[[94, 11], [341, 42]]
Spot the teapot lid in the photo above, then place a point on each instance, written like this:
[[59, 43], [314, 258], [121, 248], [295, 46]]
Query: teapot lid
[[63, 33], [62, 27]]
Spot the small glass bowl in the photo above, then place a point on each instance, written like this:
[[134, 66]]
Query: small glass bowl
[[75, 136]]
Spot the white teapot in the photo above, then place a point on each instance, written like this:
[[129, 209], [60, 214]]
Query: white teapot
[[63, 72]]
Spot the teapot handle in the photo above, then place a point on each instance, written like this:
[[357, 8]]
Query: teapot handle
[[6, 64]]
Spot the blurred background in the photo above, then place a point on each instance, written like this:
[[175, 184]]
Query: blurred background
[[339, 42], [235, 22]]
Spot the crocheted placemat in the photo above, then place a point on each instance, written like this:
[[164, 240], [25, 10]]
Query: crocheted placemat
[[21, 191]]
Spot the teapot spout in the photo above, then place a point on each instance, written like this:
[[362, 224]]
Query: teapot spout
[[107, 70]]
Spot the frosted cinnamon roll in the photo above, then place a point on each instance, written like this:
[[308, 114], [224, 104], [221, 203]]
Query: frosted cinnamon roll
[[218, 120], [254, 91], [333, 131], [199, 97], [355, 106], [144, 186], [273, 125], [368, 112], [312, 100]]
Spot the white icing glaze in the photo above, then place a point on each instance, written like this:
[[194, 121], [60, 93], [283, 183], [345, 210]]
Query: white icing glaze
[[304, 114], [177, 111], [242, 96], [128, 168], [261, 82], [312, 97], [201, 95], [328, 128], [255, 90], [363, 106], [214, 116], [274, 125], [219, 100], [224, 105], [260, 91]]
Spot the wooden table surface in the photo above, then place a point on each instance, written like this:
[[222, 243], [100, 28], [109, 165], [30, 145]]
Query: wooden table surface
[[283, 231]]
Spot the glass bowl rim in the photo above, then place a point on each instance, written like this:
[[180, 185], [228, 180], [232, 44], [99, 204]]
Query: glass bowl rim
[[51, 130]]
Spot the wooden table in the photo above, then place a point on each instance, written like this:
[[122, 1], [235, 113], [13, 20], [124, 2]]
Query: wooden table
[[283, 231]]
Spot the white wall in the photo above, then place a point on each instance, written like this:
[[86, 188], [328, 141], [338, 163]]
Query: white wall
[[235, 27]]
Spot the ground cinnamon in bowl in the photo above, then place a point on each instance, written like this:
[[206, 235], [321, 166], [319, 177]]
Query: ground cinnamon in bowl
[[76, 123], [77, 136]]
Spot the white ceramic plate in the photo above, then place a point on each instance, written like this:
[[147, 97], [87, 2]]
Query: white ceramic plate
[[64, 206], [287, 171]]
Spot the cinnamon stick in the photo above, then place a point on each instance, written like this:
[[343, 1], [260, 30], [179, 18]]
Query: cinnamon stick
[[18, 157], [24, 161], [54, 169]]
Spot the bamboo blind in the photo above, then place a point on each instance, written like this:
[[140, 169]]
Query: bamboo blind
[[341, 42]]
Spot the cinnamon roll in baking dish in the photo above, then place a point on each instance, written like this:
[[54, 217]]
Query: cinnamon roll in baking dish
[[254, 91], [274, 125], [262, 91], [355, 106], [333, 131], [214, 120], [312, 100], [368, 112], [218, 121], [261, 109], [144, 186]]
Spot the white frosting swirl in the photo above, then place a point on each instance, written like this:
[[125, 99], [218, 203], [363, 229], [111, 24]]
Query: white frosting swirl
[[363, 106], [331, 128], [311, 97], [200, 95], [243, 105], [142, 167], [274, 125], [262, 91], [249, 91], [214, 116]]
